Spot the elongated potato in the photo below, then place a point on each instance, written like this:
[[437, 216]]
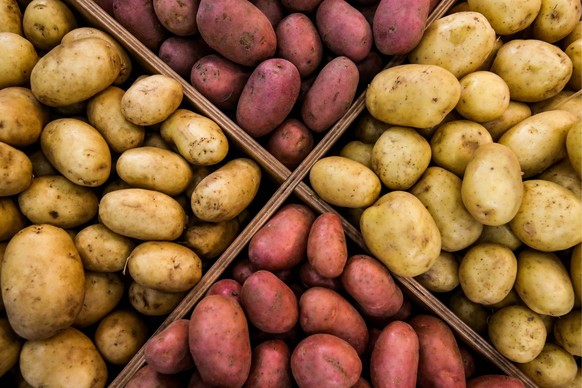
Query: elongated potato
[[327, 249], [271, 365], [101, 249], [150, 302], [210, 239], [304, 52]]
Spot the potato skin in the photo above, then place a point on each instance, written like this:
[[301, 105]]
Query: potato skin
[[103, 291], [327, 249], [10, 345], [227, 287], [501, 381], [150, 302], [101, 249], [167, 351], [290, 143], [298, 41], [11, 218], [219, 341], [23, 116], [139, 18], [147, 376], [270, 365], [119, 336], [16, 170], [177, 17], [16, 68]]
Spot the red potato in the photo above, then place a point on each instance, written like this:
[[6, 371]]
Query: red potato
[[322, 310], [372, 287], [269, 304], [237, 30], [290, 143], [226, 287], [167, 352], [298, 41], [398, 26], [300, 5], [370, 66], [327, 249], [178, 16], [404, 312], [182, 53], [242, 269], [273, 9], [139, 18], [468, 361], [331, 94], [268, 96], [440, 363], [394, 359], [270, 366], [219, 341], [311, 278], [497, 381], [343, 29], [282, 242], [324, 360], [361, 383], [219, 80], [147, 377]]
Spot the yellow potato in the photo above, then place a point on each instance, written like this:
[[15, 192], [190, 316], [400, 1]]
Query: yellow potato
[[45, 22], [576, 272], [574, 51], [549, 218], [515, 112], [453, 144], [510, 300], [401, 233], [443, 275], [103, 291], [413, 95], [150, 302], [543, 283], [517, 332], [358, 151], [553, 367], [15, 169], [2, 250], [40, 164], [54, 200], [492, 188], [368, 128], [11, 218], [120, 335], [197, 138], [556, 19], [565, 100], [104, 113], [226, 192], [533, 70], [500, 234], [210, 239], [563, 174], [18, 59], [101, 249], [487, 273], [66, 357], [484, 96], [23, 117], [459, 42], [10, 346], [568, 332], [10, 18], [151, 99], [575, 34], [344, 182], [507, 16], [574, 146], [155, 139], [473, 314], [42, 281], [440, 192], [142, 214]]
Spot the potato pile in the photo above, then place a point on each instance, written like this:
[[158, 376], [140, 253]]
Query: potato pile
[[299, 310], [464, 172], [114, 197], [285, 71]]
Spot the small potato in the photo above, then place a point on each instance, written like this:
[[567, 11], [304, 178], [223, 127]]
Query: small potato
[[178, 17], [327, 249], [151, 100], [368, 129], [23, 116], [574, 146], [142, 214], [501, 234], [271, 365], [45, 22], [493, 380], [101, 249], [226, 286], [395, 94], [298, 41], [358, 151], [10, 18], [104, 114], [167, 351], [564, 174], [556, 19], [344, 182], [522, 14], [574, 51], [533, 70], [153, 303], [197, 138], [210, 239], [77, 150], [309, 277], [120, 335], [15, 169], [568, 332], [181, 53], [515, 112], [51, 361], [484, 96], [226, 192], [18, 61], [10, 345], [11, 218], [443, 275], [324, 359], [549, 218], [55, 200], [103, 291], [553, 367], [290, 143], [475, 315], [140, 20]]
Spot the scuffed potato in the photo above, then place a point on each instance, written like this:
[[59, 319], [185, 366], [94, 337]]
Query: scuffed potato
[[101, 249]]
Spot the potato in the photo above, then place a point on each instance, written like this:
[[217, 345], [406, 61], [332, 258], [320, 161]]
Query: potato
[[219, 341], [459, 42], [67, 356], [101, 249], [23, 116], [16, 170], [151, 99], [268, 96], [484, 96], [327, 249], [487, 273], [440, 362], [358, 151], [309, 277], [139, 18], [290, 142], [55, 200], [237, 29], [11, 218], [565, 100], [181, 53], [367, 128], [226, 286], [494, 380], [273, 10], [11, 17], [142, 214], [568, 332], [503, 22], [271, 365], [11, 344], [574, 51], [167, 351], [197, 138], [576, 272], [540, 140], [564, 174], [533, 70], [77, 150], [475, 315], [344, 182], [324, 359], [120, 335], [553, 367], [431, 87], [298, 42], [2, 250], [372, 287], [147, 376], [556, 19], [322, 310], [517, 332], [574, 146], [150, 302], [45, 22], [501, 234], [443, 275], [440, 192], [210, 239], [227, 191], [103, 291], [394, 358], [179, 18], [549, 218], [18, 61], [331, 94], [401, 233]]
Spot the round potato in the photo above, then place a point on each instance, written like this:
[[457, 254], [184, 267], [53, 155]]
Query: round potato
[[516, 111], [10, 346], [210, 239], [399, 157], [484, 96], [401, 233], [15, 169], [68, 356], [549, 217], [475, 315], [518, 333], [358, 151], [568, 332], [523, 13], [344, 182], [101, 249], [443, 275], [556, 19], [543, 283], [151, 99], [10, 18], [553, 367], [18, 60], [120, 335], [23, 116], [103, 291], [154, 303], [574, 146], [11, 218], [45, 22]]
